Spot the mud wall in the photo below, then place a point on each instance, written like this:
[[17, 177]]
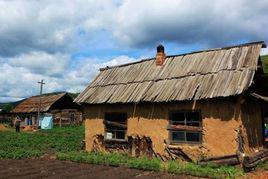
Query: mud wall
[[221, 120]]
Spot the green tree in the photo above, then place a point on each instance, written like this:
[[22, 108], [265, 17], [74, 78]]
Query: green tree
[[7, 107]]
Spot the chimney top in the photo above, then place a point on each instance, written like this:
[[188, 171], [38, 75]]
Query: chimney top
[[160, 48], [160, 55]]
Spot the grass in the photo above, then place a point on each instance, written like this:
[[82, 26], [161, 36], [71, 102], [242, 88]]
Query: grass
[[262, 166], [66, 142], [34, 144], [204, 171], [113, 159], [265, 63], [144, 163], [116, 159]]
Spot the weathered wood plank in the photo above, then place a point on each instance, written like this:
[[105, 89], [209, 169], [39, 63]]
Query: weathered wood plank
[[200, 75], [183, 127]]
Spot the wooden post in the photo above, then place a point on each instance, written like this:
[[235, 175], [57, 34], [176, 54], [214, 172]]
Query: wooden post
[[40, 101]]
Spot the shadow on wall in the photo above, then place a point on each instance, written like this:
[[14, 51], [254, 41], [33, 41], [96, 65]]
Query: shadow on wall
[[223, 109], [251, 120]]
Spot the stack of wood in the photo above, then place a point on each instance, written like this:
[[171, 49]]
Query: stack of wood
[[135, 145], [253, 160], [221, 160], [176, 152], [141, 146], [98, 145]]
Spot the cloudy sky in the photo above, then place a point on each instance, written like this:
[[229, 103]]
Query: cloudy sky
[[65, 42]]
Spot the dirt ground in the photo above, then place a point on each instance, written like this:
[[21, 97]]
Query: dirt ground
[[50, 168], [43, 168], [260, 174], [3, 128]]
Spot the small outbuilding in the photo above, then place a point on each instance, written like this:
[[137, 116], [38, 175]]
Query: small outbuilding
[[59, 105], [193, 106]]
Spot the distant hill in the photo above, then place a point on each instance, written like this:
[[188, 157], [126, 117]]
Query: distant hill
[[11, 103], [7, 107], [264, 59], [73, 95]]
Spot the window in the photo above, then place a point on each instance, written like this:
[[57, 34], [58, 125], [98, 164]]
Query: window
[[115, 126], [185, 127], [72, 117]]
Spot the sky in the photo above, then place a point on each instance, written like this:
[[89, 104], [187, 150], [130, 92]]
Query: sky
[[65, 42]]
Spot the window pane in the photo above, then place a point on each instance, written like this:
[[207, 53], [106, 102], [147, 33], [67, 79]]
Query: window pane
[[178, 118], [116, 117], [178, 136], [113, 129], [192, 116], [120, 134], [178, 123], [193, 136]]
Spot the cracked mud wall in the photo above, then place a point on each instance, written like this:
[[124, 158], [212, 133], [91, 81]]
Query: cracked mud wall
[[93, 125], [220, 120]]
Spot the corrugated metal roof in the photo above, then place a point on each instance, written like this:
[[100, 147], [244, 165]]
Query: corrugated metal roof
[[31, 104], [199, 75]]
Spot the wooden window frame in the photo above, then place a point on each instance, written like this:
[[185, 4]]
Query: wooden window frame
[[185, 128], [72, 116], [107, 122]]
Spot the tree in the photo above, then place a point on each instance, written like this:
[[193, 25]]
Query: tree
[[7, 107]]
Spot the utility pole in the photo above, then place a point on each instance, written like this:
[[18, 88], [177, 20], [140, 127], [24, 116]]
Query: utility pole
[[40, 102]]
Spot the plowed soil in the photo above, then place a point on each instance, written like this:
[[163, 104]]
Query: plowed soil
[[44, 168]]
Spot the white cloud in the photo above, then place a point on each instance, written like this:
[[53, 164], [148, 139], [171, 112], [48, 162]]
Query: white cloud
[[51, 26], [116, 61], [140, 23], [42, 63], [19, 76], [39, 38], [264, 51], [56, 26]]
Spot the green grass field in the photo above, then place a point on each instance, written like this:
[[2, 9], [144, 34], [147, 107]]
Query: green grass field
[[34, 144], [265, 63]]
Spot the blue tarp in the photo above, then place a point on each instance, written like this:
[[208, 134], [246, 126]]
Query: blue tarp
[[46, 122]]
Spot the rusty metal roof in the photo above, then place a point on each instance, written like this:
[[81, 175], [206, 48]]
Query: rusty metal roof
[[30, 105], [198, 75]]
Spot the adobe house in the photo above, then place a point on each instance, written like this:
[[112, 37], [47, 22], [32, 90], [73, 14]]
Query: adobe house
[[195, 105], [60, 105]]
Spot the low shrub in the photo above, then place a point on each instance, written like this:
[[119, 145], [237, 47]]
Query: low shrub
[[19, 154], [144, 163], [203, 171], [111, 159], [155, 164]]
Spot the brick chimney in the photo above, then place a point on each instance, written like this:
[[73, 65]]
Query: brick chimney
[[160, 55]]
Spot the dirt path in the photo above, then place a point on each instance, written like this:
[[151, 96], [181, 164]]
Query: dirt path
[[43, 168], [260, 174]]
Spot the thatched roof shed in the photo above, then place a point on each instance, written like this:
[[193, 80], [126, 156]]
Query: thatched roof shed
[[30, 105], [198, 75]]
